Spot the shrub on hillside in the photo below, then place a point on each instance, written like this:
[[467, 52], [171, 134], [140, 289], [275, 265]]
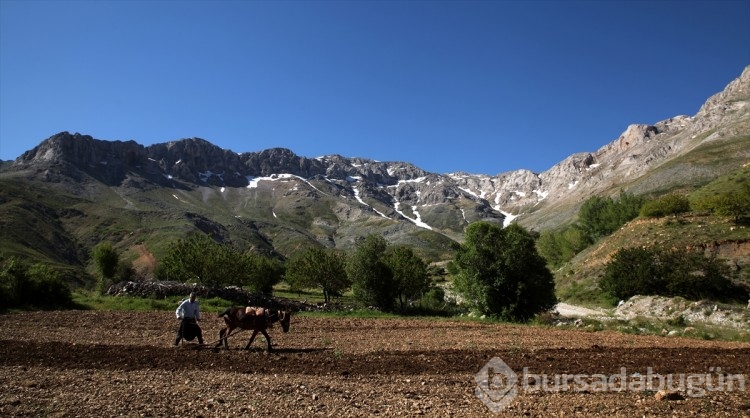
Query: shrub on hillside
[[559, 247], [601, 216], [666, 205], [597, 218], [676, 272], [734, 204]]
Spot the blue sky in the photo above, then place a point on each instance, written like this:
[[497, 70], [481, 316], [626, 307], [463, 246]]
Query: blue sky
[[477, 86]]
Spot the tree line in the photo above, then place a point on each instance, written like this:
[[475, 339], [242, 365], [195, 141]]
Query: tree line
[[498, 273]]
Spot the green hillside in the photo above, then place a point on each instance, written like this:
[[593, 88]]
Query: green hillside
[[719, 236]]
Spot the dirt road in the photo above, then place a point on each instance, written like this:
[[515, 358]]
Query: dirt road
[[110, 364]]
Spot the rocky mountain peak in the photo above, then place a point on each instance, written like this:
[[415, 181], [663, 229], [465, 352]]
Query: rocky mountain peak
[[79, 149], [727, 107], [277, 161], [197, 161], [400, 191]]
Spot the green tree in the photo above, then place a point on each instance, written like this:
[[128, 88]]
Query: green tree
[[627, 207], [598, 217], [318, 267], [501, 274], [601, 216], [694, 276], [198, 258], [550, 247], [735, 203], [258, 272], [106, 261], [49, 288], [433, 299], [559, 247], [632, 271], [187, 259], [124, 272], [671, 204], [410, 276], [14, 282], [372, 279]]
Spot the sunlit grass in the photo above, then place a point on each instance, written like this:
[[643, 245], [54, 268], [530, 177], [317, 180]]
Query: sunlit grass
[[312, 296], [95, 301]]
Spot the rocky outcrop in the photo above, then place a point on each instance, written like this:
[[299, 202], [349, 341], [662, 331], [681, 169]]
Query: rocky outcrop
[[197, 161], [65, 153], [729, 104], [280, 160], [682, 310]]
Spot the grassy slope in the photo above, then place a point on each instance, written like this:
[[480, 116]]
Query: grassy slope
[[41, 222], [700, 166]]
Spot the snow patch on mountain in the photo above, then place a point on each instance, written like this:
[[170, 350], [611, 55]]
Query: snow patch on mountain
[[417, 221], [253, 181]]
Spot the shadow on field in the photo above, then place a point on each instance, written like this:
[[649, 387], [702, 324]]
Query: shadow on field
[[316, 361]]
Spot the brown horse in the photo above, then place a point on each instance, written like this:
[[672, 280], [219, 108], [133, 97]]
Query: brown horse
[[252, 318]]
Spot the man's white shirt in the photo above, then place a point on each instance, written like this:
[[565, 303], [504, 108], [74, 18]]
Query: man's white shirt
[[188, 309]]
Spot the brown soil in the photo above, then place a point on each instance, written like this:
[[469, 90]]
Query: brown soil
[[106, 364]]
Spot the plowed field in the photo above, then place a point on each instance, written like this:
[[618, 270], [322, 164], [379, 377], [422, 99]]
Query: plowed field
[[107, 364]]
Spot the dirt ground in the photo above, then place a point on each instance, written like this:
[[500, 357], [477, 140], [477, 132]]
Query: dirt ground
[[109, 364]]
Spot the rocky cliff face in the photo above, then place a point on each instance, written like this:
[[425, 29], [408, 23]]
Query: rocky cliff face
[[399, 191], [638, 161]]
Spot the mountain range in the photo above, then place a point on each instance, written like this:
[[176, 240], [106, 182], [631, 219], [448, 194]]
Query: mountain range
[[73, 191]]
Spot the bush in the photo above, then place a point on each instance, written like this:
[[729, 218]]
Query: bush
[[651, 271], [433, 299], [666, 205], [35, 286], [601, 216], [734, 204]]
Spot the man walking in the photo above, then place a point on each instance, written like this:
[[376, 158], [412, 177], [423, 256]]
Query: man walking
[[189, 313]]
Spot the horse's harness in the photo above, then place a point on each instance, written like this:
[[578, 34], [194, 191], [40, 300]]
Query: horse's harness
[[271, 316]]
